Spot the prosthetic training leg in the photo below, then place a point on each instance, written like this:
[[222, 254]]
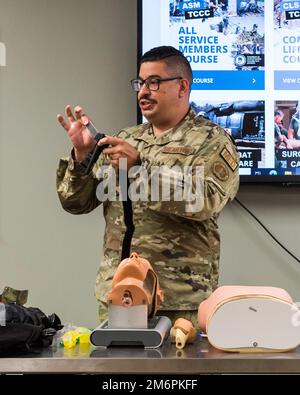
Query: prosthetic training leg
[[132, 305]]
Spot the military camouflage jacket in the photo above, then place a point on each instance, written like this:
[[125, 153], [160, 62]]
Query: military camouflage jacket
[[182, 245]]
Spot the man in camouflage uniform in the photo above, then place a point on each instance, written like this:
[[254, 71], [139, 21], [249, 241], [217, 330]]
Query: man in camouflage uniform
[[182, 245]]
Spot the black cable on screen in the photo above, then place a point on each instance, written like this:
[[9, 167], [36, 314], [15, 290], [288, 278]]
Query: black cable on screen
[[267, 230]]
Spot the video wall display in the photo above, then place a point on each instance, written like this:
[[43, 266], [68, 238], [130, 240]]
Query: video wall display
[[245, 56]]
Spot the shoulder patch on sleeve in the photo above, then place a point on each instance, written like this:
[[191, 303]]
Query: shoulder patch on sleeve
[[220, 171], [229, 159]]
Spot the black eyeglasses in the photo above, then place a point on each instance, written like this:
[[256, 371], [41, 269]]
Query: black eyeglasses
[[151, 83]]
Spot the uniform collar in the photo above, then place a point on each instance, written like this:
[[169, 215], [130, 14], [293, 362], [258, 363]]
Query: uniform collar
[[174, 134]]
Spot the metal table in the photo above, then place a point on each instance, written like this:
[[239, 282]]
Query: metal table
[[197, 358]]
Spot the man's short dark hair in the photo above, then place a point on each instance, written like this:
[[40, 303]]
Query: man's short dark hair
[[172, 57]]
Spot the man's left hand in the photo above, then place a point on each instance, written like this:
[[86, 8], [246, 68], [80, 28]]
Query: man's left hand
[[120, 149]]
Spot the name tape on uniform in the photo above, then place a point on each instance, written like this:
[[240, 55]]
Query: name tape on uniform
[[178, 150]]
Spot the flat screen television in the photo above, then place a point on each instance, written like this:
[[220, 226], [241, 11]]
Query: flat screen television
[[245, 56]]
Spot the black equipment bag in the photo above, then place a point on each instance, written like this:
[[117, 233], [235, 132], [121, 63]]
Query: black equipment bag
[[26, 329]]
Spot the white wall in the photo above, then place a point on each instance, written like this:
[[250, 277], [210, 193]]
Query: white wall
[[70, 51]]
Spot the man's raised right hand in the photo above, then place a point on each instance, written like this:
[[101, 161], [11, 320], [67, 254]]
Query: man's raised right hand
[[80, 136]]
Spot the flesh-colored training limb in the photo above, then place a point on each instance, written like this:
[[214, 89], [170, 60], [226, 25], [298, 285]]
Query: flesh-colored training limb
[[182, 333]]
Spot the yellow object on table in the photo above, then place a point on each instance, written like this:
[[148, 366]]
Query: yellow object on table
[[79, 335]]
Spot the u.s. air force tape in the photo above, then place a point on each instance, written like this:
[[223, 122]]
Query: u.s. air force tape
[[229, 159]]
